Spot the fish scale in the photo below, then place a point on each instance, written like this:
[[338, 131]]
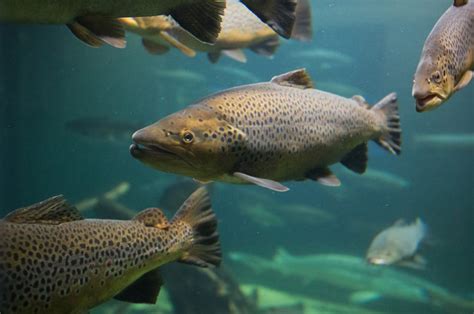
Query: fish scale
[[72, 266], [287, 122]]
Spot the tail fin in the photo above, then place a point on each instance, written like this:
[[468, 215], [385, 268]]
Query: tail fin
[[278, 14], [196, 211], [303, 30], [391, 137], [201, 18]]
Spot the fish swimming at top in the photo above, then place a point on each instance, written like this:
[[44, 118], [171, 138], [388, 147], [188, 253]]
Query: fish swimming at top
[[95, 23], [240, 29], [267, 133], [54, 261], [447, 59], [398, 244]]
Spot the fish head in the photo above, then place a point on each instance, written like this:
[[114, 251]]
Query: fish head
[[192, 142], [383, 256], [433, 84]]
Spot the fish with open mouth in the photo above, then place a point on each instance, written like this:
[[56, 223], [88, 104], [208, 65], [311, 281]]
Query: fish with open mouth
[[270, 132], [447, 59]]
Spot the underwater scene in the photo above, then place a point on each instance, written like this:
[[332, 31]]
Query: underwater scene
[[236, 157]]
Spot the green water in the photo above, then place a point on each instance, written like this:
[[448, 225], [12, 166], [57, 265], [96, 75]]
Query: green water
[[48, 78]]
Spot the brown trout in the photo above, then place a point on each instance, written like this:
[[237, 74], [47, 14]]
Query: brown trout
[[94, 21], [240, 29], [54, 261], [447, 59], [269, 132]]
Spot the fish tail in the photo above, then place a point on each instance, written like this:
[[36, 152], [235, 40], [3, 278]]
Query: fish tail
[[196, 212], [391, 130]]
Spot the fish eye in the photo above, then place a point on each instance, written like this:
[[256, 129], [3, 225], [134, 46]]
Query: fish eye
[[436, 77], [187, 137]]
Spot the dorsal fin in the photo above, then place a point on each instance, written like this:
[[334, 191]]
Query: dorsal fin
[[297, 78], [53, 211], [460, 3], [153, 217]]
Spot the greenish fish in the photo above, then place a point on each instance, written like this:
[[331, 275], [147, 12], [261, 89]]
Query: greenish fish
[[270, 132], [447, 59], [93, 21], [54, 261], [398, 244]]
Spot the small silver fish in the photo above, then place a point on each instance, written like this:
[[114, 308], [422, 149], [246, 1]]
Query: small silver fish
[[398, 244]]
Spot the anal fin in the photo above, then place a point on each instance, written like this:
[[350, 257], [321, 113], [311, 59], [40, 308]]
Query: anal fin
[[266, 183], [324, 176], [95, 30], [356, 159], [144, 290], [236, 54]]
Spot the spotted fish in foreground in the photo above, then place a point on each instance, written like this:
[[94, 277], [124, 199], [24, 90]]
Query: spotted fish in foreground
[[269, 132], [54, 261], [240, 29], [95, 23], [398, 244], [447, 59]]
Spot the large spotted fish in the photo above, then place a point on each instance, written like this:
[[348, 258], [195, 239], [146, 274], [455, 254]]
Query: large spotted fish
[[269, 132], [93, 21], [54, 261], [240, 29], [447, 59]]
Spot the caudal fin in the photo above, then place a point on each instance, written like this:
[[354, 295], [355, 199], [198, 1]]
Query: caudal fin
[[196, 211], [278, 14], [201, 18], [391, 137]]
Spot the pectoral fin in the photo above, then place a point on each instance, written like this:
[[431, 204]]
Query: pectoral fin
[[96, 30], [417, 262], [324, 176], [144, 290], [266, 183], [170, 39], [465, 79]]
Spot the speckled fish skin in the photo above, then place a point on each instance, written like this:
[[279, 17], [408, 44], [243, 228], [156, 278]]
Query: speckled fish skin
[[73, 266], [274, 130], [447, 58]]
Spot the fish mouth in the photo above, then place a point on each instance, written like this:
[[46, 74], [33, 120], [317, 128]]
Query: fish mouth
[[139, 150], [429, 102]]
